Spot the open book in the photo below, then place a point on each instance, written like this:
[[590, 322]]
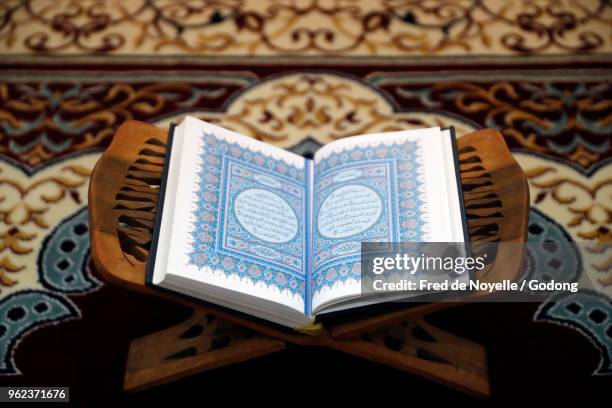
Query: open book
[[258, 229]]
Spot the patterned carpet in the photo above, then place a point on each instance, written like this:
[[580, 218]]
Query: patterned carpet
[[281, 71]]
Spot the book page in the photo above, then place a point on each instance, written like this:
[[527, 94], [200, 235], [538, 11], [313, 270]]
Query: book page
[[240, 215], [389, 187]]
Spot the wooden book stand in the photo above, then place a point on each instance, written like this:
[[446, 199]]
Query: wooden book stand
[[122, 205]]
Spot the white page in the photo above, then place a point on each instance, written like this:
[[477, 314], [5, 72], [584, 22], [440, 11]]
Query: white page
[[438, 191], [180, 238]]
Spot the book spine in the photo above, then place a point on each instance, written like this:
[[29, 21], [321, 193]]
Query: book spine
[[160, 208], [309, 167], [466, 233]]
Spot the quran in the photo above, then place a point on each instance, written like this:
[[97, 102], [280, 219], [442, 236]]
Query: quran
[[254, 228]]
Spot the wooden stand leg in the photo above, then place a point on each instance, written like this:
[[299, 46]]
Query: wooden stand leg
[[202, 342], [418, 347]]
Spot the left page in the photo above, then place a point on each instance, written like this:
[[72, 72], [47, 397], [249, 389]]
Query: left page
[[240, 215]]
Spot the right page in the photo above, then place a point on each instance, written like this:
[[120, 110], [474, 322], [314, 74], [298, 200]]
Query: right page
[[391, 187]]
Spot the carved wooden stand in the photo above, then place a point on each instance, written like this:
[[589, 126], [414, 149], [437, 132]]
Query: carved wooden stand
[[123, 198]]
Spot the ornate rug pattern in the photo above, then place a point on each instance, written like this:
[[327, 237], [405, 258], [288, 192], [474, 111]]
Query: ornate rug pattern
[[281, 71]]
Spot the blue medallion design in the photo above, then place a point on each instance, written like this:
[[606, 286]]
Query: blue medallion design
[[222, 237], [588, 312], [557, 257], [394, 173], [551, 253], [62, 269], [65, 255], [24, 311]]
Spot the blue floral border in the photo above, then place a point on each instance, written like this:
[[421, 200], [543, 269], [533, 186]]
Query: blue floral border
[[205, 225], [404, 158]]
